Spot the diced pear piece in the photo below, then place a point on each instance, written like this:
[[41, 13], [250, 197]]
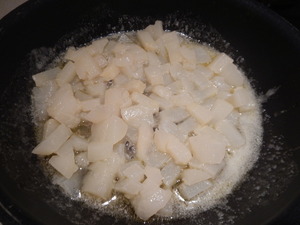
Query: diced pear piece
[[161, 139], [99, 45], [179, 152], [155, 30], [64, 162], [110, 72], [147, 41], [99, 150], [149, 203], [154, 75], [111, 130], [42, 78], [202, 55], [54, 141], [220, 62], [182, 99], [172, 44], [135, 86], [128, 186], [153, 175], [193, 176], [232, 75], [170, 173], [81, 160], [208, 146], [212, 169], [162, 91], [242, 99], [157, 159], [64, 107], [85, 66], [144, 142], [133, 170], [90, 104], [49, 126], [99, 113], [137, 114], [175, 114], [145, 101], [66, 75], [190, 191], [234, 136], [220, 110], [118, 98], [202, 114]]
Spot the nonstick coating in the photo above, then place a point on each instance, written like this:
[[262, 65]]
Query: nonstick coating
[[262, 44]]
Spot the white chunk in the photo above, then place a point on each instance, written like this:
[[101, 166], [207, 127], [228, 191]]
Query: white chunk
[[147, 41], [78, 143], [220, 62], [189, 192], [135, 86], [128, 186], [99, 113], [157, 159], [145, 101], [235, 138], [175, 114], [110, 72], [64, 107], [144, 142], [64, 162], [232, 75], [42, 78], [220, 110], [200, 113], [179, 152], [242, 98], [54, 141], [193, 176], [137, 114], [162, 91], [81, 160], [212, 169], [67, 74], [118, 98], [133, 170], [208, 146], [99, 150], [49, 126], [170, 173]]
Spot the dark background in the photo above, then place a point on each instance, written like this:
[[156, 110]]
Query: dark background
[[290, 11]]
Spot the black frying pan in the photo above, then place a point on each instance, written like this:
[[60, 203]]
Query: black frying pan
[[262, 44]]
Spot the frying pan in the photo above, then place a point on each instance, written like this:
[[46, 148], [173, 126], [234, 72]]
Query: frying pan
[[261, 43]]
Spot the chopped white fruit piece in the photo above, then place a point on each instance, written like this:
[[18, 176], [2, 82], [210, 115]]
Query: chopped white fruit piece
[[64, 162], [81, 160], [220, 62], [235, 138], [155, 30], [118, 98], [49, 126], [154, 74], [133, 170], [78, 143], [137, 114], [99, 180], [179, 152], [153, 175], [182, 99], [99, 113], [100, 60], [64, 107], [110, 72], [175, 114], [111, 130], [193, 176], [208, 146], [167, 210], [145, 101], [190, 191], [144, 142], [220, 110], [162, 91], [187, 126], [90, 104], [128, 186], [188, 53], [232, 75], [163, 103], [147, 41], [199, 112], [85, 66], [42, 78], [170, 173], [202, 55], [157, 159], [66, 75], [169, 127], [242, 99], [135, 86], [172, 45], [149, 203], [161, 139], [212, 169], [99, 150], [54, 141], [99, 45]]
